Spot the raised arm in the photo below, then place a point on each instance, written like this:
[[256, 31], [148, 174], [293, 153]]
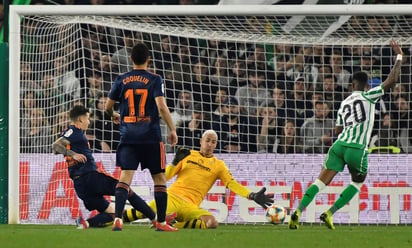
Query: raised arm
[[394, 74]]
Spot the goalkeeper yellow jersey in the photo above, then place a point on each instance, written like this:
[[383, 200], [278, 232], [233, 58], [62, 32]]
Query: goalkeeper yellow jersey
[[196, 174]]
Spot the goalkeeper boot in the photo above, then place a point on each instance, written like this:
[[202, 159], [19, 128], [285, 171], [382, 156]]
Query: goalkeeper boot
[[117, 224], [328, 219], [81, 223], [294, 220], [165, 228]]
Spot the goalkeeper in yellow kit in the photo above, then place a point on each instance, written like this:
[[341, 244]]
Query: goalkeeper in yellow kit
[[197, 172]]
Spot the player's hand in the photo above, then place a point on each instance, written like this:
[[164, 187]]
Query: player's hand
[[181, 153], [396, 47], [116, 118], [264, 200], [79, 158], [172, 138]]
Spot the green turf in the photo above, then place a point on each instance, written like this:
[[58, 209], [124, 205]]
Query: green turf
[[233, 236]]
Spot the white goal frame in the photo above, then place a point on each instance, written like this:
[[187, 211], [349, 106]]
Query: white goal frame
[[148, 10]]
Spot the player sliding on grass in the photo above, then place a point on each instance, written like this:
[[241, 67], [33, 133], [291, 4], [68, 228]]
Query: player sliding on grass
[[196, 172], [91, 184], [354, 126]]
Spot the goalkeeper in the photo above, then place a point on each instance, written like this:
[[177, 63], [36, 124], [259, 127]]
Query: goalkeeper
[[196, 172]]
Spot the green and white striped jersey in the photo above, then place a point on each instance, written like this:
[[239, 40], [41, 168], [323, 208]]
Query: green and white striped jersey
[[357, 114]]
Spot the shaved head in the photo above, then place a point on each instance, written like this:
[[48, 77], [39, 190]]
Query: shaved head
[[210, 131], [208, 143]]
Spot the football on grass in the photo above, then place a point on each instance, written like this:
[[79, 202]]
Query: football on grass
[[275, 214]]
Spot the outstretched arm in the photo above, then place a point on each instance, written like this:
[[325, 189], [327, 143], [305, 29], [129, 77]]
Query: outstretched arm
[[394, 74], [264, 200]]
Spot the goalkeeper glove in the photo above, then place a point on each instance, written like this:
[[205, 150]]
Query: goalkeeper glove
[[181, 153], [264, 200]]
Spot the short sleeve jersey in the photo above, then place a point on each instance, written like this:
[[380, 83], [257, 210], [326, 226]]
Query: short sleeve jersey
[[136, 92], [79, 144], [356, 115]]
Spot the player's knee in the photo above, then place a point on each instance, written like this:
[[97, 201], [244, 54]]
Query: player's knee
[[358, 177], [159, 179], [110, 208], [358, 186]]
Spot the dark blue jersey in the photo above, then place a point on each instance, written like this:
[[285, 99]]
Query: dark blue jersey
[[136, 92], [79, 144]]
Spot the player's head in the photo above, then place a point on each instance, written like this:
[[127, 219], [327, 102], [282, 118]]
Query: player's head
[[140, 54], [360, 80], [208, 142], [80, 116]]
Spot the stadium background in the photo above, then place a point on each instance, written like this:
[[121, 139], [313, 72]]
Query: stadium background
[[93, 70]]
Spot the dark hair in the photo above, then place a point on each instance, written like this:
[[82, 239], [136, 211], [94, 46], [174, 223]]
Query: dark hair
[[256, 73], [96, 100], [322, 103], [361, 78], [329, 76], [77, 111], [140, 53]]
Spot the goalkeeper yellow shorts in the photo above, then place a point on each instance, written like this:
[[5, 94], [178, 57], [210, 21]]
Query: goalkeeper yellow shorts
[[185, 211]]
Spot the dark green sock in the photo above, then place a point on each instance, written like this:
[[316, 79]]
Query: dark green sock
[[344, 198], [308, 197]]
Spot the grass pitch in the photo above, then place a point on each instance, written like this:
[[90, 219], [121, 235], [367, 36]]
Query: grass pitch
[[233, 236]]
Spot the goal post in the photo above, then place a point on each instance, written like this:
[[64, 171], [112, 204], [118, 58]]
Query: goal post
[[73, 36]]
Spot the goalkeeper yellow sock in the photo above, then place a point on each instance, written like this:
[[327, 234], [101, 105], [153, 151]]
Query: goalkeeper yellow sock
[[191, 224], [132, 214]]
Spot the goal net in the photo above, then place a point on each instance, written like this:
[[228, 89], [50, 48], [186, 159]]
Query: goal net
[[268, 79]]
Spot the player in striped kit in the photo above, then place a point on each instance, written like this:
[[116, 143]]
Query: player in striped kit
[[354, 125]]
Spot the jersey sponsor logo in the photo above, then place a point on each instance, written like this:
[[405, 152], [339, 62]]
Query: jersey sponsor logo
[[68, 133], [198, 164], [134, 119]]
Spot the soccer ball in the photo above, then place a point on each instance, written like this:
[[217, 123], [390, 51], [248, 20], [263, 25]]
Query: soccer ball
[[275, 214]]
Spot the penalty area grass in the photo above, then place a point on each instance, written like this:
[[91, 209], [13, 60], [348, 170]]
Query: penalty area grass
[[233, 236]]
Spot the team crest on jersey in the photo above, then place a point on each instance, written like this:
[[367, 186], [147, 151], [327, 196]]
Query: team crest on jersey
[[68, 133]]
